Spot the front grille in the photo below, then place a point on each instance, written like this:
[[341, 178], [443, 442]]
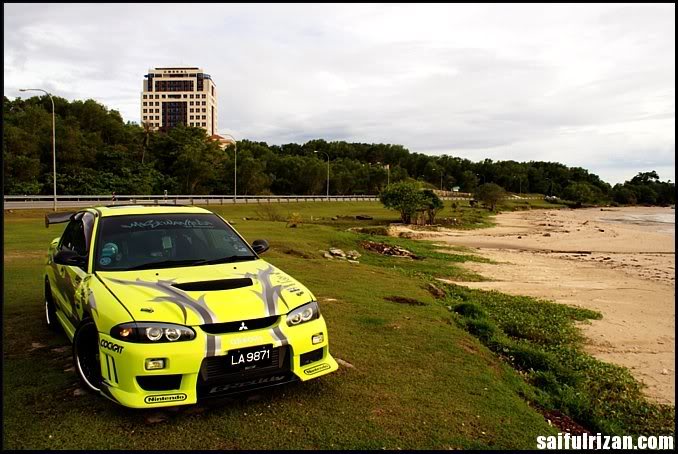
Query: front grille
[[234, 327], [218, 367], [311, 357], [217, 377], [159, 382]]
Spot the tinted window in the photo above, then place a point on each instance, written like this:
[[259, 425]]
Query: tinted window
[[73, 238], [166, 240]]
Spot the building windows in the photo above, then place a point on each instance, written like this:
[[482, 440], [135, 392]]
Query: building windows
[[204, 103], [174, 85], [204, 125], [204, 117], [191, 102], [157, 97], [204, 109]]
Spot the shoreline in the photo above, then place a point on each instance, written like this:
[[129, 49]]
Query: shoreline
[[577, 257]]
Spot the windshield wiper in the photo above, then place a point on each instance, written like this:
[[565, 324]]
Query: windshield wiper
[[167, 264], [232, 258]]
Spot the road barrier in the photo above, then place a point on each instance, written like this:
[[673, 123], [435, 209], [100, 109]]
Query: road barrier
[[63, 201]]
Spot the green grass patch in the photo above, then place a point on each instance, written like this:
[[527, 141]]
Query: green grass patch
[[540, 339], [420, 382]]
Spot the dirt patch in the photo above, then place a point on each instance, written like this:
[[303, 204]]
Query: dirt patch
[[562, 422], [9, 256], [404, 300], [435, 291], [297, 253], [385, 249]]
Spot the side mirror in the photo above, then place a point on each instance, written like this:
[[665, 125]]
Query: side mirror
[[70, 258], [260, 246]]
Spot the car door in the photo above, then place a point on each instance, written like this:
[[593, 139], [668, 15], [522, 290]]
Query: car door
[[72, 280]]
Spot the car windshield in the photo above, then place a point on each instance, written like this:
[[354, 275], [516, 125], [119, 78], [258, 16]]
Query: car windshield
[[155, 241]]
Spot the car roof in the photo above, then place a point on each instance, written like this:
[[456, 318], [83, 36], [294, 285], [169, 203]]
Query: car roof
[[122, 210]]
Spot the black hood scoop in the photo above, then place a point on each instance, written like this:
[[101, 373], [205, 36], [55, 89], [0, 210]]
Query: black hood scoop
[[221, 284]]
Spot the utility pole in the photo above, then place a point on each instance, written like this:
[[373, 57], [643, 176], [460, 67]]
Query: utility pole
[[328, 172], [53, 139]]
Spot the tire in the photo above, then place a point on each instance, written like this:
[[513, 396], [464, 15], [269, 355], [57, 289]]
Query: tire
[[50, 310], [86, 355]]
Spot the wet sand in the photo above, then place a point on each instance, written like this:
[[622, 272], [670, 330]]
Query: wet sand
[[590, 258]]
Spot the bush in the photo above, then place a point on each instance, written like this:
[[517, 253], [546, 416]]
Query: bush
[[294, 219], [268, 212], [403, 197], [433, 205], [470, 310], [484, 329], [489, 194]]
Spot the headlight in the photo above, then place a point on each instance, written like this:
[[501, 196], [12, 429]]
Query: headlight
[[145, 332], [303, 314]]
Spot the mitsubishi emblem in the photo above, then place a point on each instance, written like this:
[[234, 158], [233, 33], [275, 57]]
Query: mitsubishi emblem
[[242, 326]]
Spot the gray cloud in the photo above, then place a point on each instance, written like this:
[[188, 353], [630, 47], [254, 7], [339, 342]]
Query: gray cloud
[[585, 85]]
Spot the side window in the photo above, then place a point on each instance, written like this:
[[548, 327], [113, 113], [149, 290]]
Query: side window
[[73, 238], [67, 237]]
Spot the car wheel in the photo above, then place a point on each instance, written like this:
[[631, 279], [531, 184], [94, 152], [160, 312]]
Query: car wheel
[[50, 310], [86, 355]]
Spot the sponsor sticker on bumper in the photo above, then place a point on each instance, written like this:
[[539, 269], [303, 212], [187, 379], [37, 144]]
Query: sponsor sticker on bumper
[[162, 398], [315, 369]]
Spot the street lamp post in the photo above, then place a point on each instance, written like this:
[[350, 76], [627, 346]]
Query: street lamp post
[[520, 183], [328, 172], [235, 166], [53, 140]]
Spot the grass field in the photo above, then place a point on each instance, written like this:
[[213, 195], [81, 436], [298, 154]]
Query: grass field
[[421, 380]]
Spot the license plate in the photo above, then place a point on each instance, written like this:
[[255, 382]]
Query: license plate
[[250, 358]]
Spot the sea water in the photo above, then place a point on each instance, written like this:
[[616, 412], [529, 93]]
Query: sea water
[[662, 222]]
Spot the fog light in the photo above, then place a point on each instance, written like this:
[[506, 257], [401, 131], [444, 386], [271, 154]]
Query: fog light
[[155, 363], [317, 338]]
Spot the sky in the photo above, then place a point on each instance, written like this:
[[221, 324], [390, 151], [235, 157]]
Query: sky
[[587, 85]]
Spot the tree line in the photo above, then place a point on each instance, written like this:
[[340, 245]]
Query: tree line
[[99, 153]]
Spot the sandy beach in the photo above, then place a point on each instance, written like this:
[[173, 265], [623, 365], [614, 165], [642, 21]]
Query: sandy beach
[[619, 261]]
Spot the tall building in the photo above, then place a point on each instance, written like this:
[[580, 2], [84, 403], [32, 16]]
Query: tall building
[[182, 95]]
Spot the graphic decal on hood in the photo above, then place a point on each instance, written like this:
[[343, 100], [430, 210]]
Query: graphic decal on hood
[[270, 295], [183, 301]]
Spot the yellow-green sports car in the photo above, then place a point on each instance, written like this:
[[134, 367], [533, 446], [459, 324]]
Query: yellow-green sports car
[[169, 305]]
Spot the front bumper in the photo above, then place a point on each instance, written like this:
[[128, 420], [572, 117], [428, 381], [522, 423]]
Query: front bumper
[[190, 375]]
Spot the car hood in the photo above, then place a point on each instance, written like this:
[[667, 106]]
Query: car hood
[[205, 294]]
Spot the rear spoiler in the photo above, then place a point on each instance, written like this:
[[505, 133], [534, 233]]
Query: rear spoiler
[[58, 218]]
